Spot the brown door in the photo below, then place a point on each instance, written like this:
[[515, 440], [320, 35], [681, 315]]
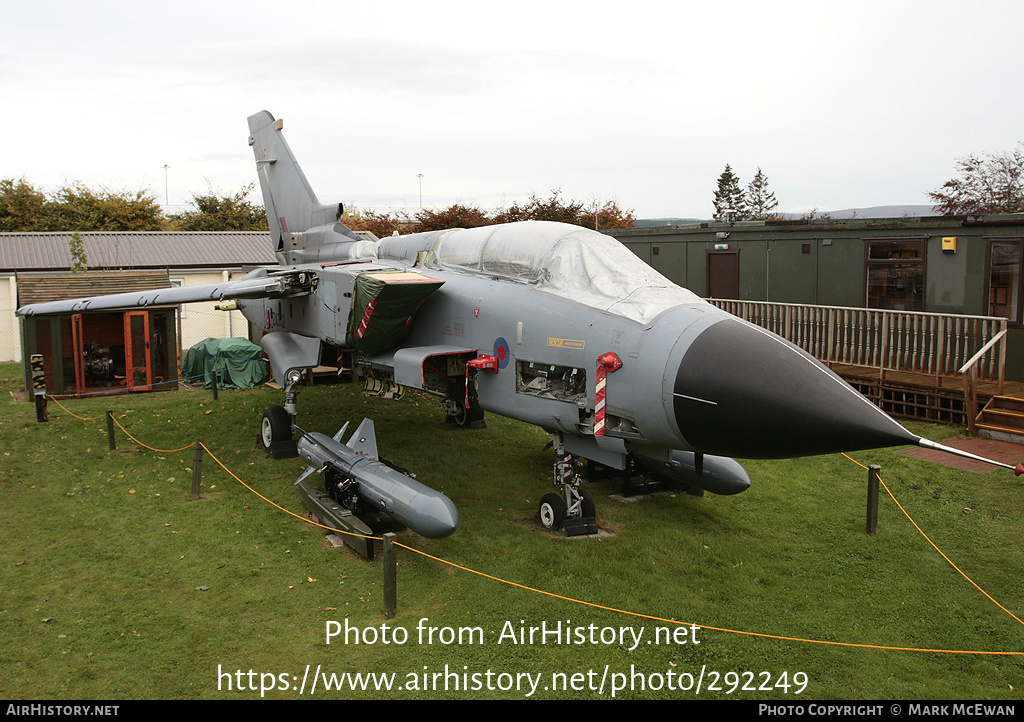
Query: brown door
[[138, 370], [78, 352], [723, 274]]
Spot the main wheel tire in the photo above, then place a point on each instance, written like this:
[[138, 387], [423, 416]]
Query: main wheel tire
[[455, 413], [276, 426], [587, 505], [551, 512]]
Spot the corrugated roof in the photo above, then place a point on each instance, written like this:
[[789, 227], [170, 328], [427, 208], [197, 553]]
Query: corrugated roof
[[136, 250]]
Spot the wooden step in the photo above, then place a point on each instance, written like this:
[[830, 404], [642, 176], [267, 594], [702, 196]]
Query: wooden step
[[1014, 436], [1006, 403], [1002, 419], [1002, 429]]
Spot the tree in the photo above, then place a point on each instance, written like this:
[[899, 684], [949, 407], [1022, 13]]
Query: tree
[[730, 204], [384, 224], [988, 184], [78, 207], [760, 201], [21, 206], [379, 224], [454, 216], [215, 212], [611, 216], [554, 208], [79, 261]]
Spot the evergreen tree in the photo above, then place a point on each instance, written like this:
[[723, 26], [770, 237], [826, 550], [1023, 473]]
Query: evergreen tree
[[761, 203], [730, 203]]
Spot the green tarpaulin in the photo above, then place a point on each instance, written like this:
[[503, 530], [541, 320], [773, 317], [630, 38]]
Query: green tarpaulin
[[237, 362], [383, 307]]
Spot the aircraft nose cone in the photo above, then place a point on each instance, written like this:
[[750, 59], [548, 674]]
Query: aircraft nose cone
[[742, 391]]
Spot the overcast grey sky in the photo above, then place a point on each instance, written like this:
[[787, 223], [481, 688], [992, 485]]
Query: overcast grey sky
[[841, 104]]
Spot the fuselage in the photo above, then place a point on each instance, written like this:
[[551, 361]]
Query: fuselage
[[692, 377]]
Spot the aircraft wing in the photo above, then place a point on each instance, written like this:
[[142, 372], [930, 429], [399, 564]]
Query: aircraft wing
[[259, 284]]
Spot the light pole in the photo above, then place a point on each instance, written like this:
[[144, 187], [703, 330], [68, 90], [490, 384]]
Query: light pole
[[166, 194], [420, 176]]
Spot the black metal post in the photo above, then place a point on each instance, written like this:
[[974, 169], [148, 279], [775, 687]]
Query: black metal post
[[39, 387], [872, 526], [111, 443], [197, 468], [390, 575]]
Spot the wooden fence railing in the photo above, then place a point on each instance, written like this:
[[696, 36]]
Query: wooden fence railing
[[935, 344]]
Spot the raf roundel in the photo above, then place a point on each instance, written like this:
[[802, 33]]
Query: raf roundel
[[501, 352]]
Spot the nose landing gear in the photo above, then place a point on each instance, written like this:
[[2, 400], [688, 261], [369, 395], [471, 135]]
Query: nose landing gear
[[574, 508]]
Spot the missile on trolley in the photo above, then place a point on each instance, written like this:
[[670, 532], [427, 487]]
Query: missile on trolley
[[356, 467]]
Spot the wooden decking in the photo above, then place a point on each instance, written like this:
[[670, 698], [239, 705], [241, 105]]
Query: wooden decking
[[951, 384], [926, 352], [921, 396]]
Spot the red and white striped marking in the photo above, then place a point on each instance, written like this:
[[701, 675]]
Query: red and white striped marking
[[599, 397], [605, 363], [366, 318]]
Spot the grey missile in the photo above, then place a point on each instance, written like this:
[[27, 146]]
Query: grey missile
[[424, 510], [719, 474]]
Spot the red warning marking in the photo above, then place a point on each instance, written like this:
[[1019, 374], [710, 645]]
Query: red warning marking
[[366, 318]]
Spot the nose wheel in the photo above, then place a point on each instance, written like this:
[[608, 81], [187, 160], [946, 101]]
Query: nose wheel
[[574, 508], [551, 512]]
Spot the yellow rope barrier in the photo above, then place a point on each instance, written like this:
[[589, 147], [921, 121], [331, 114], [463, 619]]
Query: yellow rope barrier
[[68, 411], [934, 546], [702, 626], [274, 504], [614, 609], [151, 448]]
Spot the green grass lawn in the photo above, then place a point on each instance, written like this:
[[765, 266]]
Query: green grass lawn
[[115, 586]]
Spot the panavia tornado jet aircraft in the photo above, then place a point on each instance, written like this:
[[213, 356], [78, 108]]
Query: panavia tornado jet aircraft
[[548, 323]]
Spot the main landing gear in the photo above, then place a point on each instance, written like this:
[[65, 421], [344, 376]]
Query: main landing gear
[[574, 508], [276, 427], [276, 433]]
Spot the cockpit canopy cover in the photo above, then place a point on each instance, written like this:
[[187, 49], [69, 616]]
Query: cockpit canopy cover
[[568, 261]]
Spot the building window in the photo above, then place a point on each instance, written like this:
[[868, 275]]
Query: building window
[[180, 283], [1004, 279], [895, 274]]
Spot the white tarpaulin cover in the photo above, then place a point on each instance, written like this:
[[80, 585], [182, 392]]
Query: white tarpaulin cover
[[569, 261]]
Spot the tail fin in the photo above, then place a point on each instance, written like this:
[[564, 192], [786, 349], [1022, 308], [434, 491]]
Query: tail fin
[[364, 440], [292, 206]]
